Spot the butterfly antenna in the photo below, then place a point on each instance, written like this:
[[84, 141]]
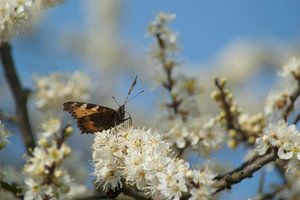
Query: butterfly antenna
[[136, 95], [116, 101], [131, 88]]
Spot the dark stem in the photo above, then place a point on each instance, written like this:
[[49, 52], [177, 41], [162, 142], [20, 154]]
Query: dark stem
[[95, 195], [290, 106], [231, 123], [12, 187], [169, 84], [19, 93], [297, 119], [226, 106]]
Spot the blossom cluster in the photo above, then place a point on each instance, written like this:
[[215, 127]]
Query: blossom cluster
[[185, 126], [55, 89], [163, 56], [142, 159], [284, 138], [4, 134], [159, 28], [16, 15], [202, 134], [44, 175], [277, 100], [241, 127]]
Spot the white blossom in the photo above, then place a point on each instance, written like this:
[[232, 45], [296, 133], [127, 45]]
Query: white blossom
[[211, 136], [49, 127], [204, 178], [139, 157], [160, 27], [171, 182], [55, 89], [285, 138], [278, 99], [44, 174], [17, 15], [201, 133], [292, 68], [4, 134], [10, 174], [178, 133]]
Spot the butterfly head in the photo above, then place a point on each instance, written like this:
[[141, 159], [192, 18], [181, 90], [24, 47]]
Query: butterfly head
[[121, 112]]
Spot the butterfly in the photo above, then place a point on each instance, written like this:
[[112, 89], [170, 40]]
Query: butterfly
[[93, 118]]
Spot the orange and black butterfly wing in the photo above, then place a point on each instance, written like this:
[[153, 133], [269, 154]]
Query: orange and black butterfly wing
[[91, 117]]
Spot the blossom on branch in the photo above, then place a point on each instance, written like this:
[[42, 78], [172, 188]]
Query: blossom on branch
[[279, 99], [141, 158], [55, 89], [45, 178], [285, 138], [292, 68], [17, 15]]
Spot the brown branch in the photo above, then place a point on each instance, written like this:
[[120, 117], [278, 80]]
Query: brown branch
[[244, 171], [290, 106], [129, 191], [19, 93], [95, 195], [168, 69], [11, 187], [229, 118]]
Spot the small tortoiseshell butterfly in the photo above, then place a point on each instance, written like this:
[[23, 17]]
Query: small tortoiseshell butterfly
[[93, 118]]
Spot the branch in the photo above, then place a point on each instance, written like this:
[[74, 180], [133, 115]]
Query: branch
[[297, 119], [290, 106], [95, 195], [19, 93], [7, 117], [229, 118], [12, 187], [129, 191], [244, 171]]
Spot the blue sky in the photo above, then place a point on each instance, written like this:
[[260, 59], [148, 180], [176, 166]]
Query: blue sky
[[205, 27]]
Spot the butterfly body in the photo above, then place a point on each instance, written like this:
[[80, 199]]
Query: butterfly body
[[93, 118]]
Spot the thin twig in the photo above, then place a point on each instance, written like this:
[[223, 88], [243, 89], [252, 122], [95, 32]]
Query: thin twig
[[95, 195], [226, 106], [20, 95], [129, 191], [231, 121], [290, 106], [244, 171], [169, 84], [7, 117], [261, 182], [12, 187], [297, 119]]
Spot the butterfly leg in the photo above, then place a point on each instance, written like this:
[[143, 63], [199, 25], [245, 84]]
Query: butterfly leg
[[130, 118]]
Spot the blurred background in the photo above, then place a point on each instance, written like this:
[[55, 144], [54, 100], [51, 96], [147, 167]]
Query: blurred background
[[246, 41]]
